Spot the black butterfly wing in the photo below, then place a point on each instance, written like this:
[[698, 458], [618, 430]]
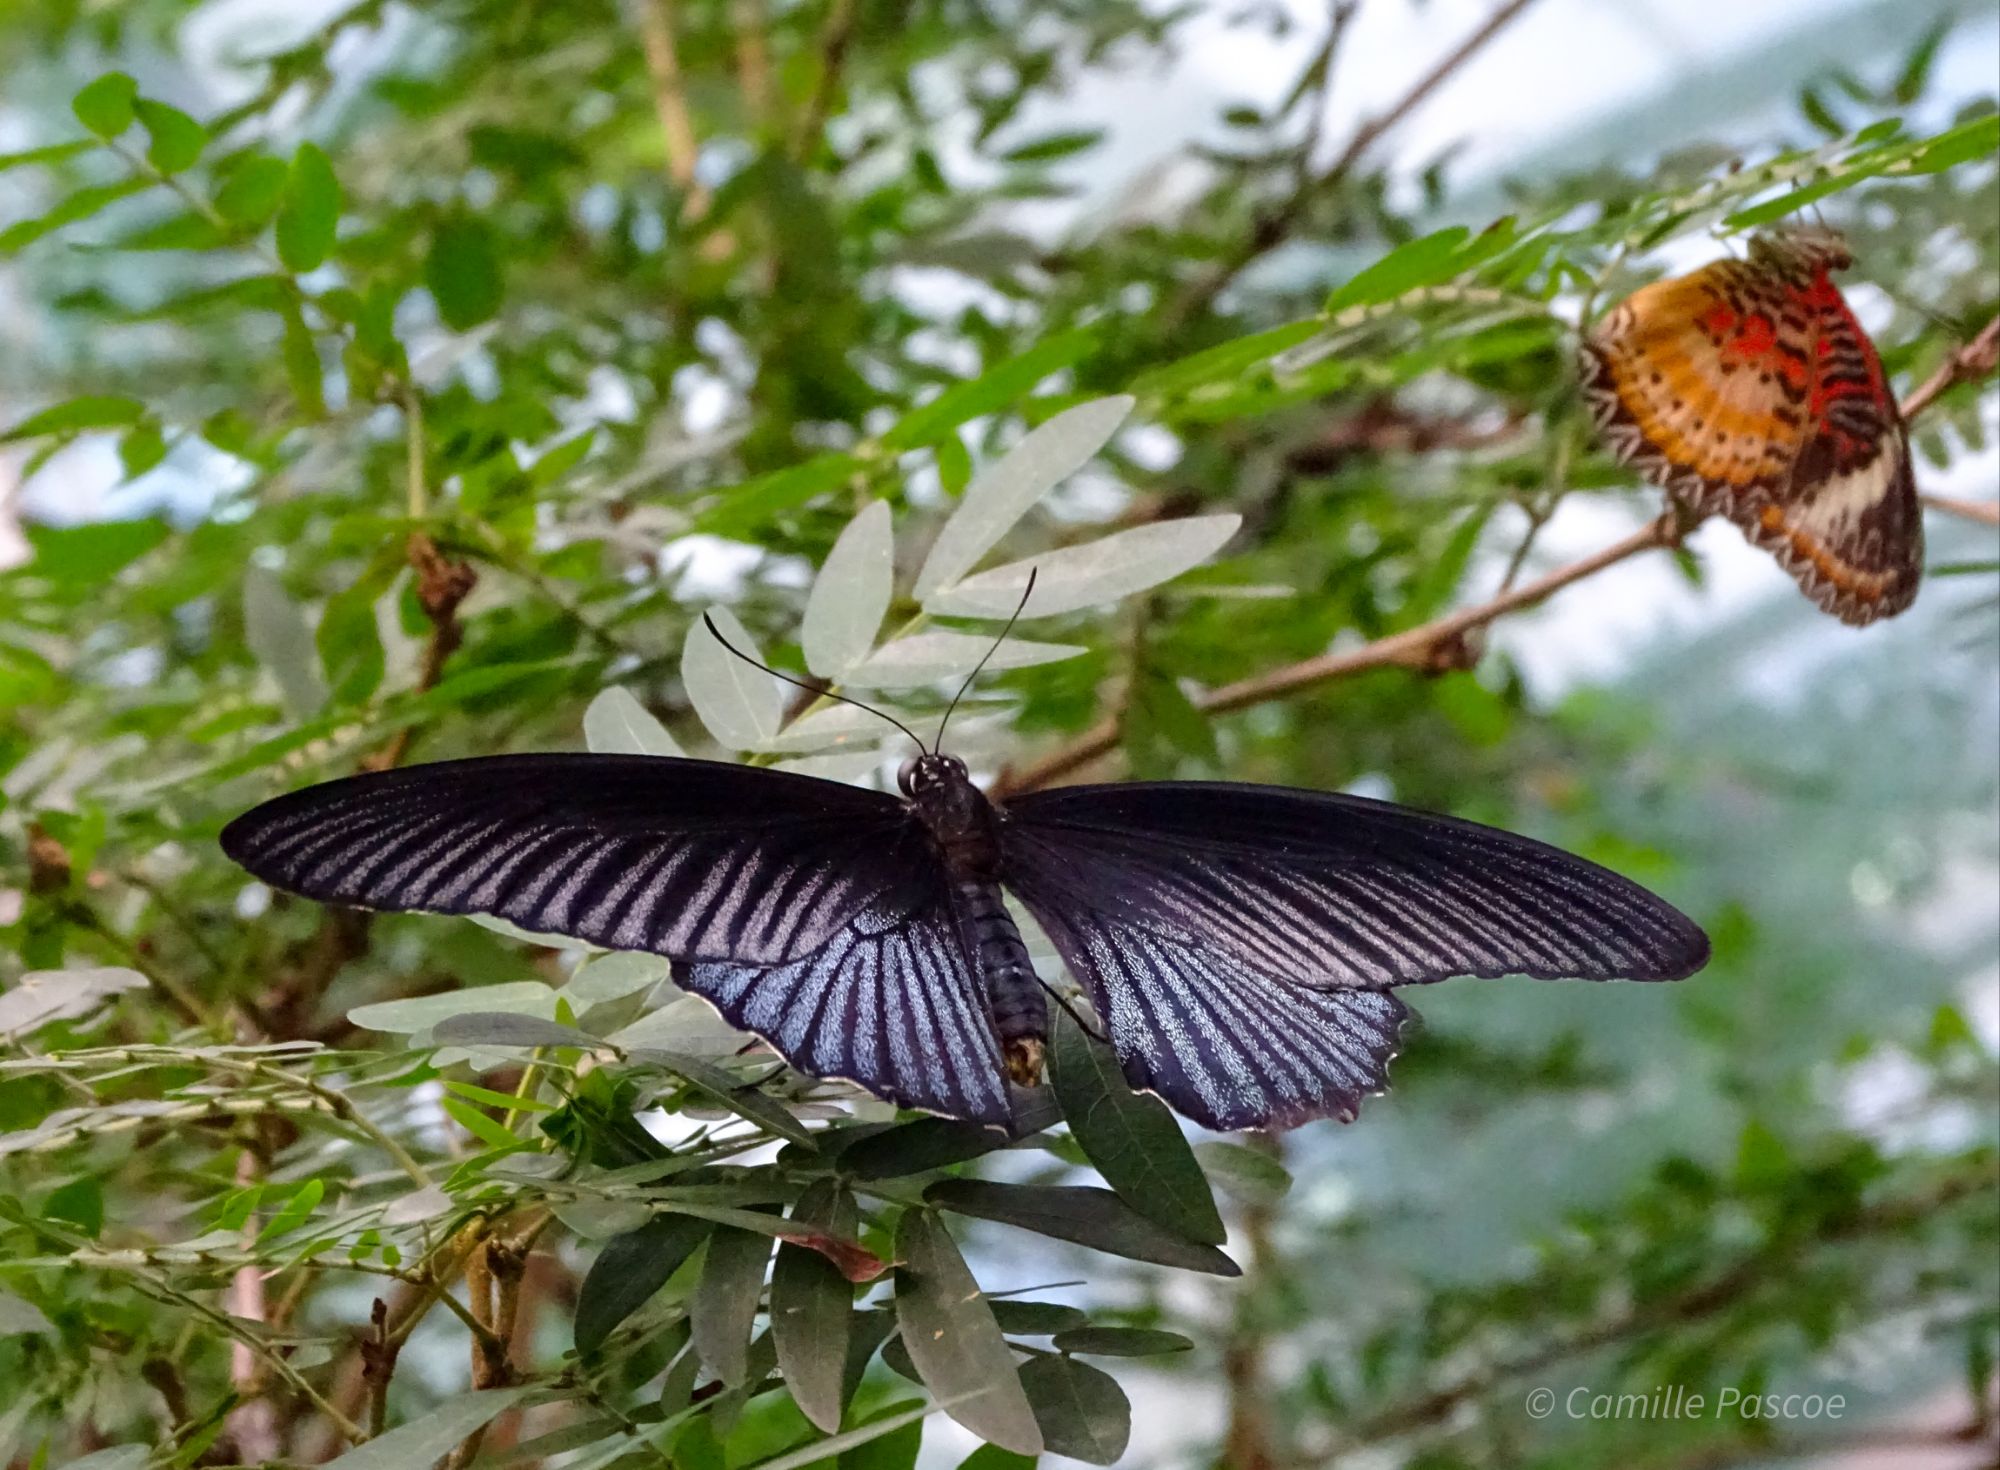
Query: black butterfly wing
[[1227, 931], [810, 912]]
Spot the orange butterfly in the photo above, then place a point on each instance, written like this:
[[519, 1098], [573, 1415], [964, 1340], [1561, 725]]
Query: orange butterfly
[[1748, 390]]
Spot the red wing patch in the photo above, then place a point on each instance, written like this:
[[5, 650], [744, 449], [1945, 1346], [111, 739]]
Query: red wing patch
[[1748, 390]]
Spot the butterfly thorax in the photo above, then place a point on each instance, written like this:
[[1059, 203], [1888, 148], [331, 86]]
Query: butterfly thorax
[[966, 831]]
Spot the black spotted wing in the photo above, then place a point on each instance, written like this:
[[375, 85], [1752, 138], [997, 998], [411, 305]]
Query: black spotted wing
[[808, 911], [1239, 941]]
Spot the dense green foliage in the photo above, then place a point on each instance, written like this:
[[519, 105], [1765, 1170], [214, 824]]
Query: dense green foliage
[[447, 387]]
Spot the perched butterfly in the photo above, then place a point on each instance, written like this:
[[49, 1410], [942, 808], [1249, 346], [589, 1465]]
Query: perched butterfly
[[1239, 942], [1748, 390]]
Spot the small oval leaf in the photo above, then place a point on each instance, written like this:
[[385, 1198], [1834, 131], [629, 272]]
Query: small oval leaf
[[1092, 573], [1082, 1411], [850, 594], [617, 724], [926, 658], [1002, 493], [953, 1341], [738, 702]]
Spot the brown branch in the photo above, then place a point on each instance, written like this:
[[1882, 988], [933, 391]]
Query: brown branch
[[656, 37], [442, 584], [1441, 643], [834, 38], [378, 1365], [753, 61], [1976, 360], [1276, 226]]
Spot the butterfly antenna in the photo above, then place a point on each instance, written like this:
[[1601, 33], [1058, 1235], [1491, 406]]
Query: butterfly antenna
[[716, 633], [1026, 592]]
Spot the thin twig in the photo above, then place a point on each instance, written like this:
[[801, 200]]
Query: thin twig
[[656, 36], [833, 42], [1976, 360]]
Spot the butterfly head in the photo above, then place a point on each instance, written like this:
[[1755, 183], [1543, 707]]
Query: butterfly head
[[1801, 253], [931, 775]]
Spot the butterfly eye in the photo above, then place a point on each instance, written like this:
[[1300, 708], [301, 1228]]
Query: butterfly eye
[[906, 776]]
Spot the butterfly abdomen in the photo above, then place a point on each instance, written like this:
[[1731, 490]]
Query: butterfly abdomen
[[1013, 991]]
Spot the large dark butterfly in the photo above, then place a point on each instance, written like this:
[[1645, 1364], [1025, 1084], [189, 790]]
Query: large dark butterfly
[[1240, 943]]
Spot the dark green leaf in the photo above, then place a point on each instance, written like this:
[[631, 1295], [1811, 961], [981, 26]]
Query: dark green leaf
[[811, 1304], [1052, 146], [177, 138], [1036, 1319], [1091, 1217], [310, 212], [1131, 1138], [896, 1450], [952, 1339], [914, 1147], [724, 1306], [1916, 73], [1121, 1342], [1424, 261], [992, 1457], [105, 105], [462, 272], [1082, 1411], [80, 1203], [628, 1271], [740, 1098], [303, 369], [748, 507]]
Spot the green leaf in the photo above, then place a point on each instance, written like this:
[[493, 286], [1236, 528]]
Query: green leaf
[[51, 153], [349, 640], [745, 510], [1162, 724], [1036, 1319], [1424, 261], [509, 1028], [953, 1341], [816, 1455], [628, 1271], [305, 1199], [997, 388], [724, 1306], [992, 1457], [310, 212], [252, 189], [811, 1304], [615, 723], [1093, 1217], [177, 138], [432, 1437], [1245, 1174], [75, 415], [1052, 146], [462, 272], [93, 554], [1976, 139], [478, 1124], [79, 1203], [1228, 362], [141, 448], [105, 105], [80, 205], [896, 1447], [1121, 1342], [1082, 1411], [303, 369], [1131, 1138], [918, 1146], [1916, 73], [473, 1092], [275, 629], [743, 1100], [850, 595]]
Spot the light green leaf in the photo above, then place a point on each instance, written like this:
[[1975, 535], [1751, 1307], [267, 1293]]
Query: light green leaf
[[18, 1316], [1002, 493], [74, 415], [991, 391], [614, 975], [437, 1434], [276, 631], [688, 1026], [1092, 573], [508, 1028], [617, 724], [952, 1339], [925, 658], [502, 927], [78, 205], [310, 212], [1421, 262], [1247, 1175], [850, 594], [838, 725], [105, 105], [118, 1457], [296, 1210], [43, 996], [420, 1013], [738, 702]]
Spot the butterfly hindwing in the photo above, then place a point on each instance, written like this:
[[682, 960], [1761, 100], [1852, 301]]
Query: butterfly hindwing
[[1748, 390]]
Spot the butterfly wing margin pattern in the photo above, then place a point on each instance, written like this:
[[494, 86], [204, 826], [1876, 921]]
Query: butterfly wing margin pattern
[[1338, 891], [753, 866], [890, 1002], [1748, 390]]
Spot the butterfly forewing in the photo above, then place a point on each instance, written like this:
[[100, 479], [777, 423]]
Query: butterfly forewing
[[1748, 390], [1334, 890]]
